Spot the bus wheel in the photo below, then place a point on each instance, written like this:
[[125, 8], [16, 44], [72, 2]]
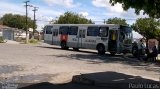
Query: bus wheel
[[135, 51], [101, 49], [63, 45], [76, 49], [113, 53], [124, 52]]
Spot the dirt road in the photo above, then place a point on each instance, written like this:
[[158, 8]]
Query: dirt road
[[23, 63]]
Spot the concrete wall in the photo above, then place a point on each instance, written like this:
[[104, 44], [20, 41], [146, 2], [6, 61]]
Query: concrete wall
[[8, 34], [1, 33]]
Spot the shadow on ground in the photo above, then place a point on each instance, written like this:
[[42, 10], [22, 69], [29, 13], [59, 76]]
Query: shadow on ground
[[100, 80], [94, 58], [47, 85], [67, 50], [8, 68]]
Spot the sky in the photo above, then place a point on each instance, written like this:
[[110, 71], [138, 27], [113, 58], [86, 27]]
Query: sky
[[96, 10]]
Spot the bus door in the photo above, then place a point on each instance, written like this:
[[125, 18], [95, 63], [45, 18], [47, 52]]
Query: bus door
[[48, 34], [81, 38], [55, 36], [72, 37], [103, 33], [63, 31], [112, 42]]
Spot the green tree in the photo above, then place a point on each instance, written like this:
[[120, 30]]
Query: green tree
[[16, 21], [150, 7], [116, 21], [148, 27], [72, 18]]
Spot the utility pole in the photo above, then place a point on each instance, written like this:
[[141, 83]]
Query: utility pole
[[104, 21], [34, 22], [26, 5]]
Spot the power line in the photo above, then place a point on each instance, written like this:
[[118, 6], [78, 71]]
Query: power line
[[34, 23], [104, 21]]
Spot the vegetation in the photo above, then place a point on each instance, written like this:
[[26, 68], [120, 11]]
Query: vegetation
[[33, 41], [148, 27], [72, 18], [150, 7], [16, 21], [1, 39], [116, 21]]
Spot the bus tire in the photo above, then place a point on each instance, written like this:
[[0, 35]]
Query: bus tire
[[135, 51], [101, 49], [112, 53], [76, 49], [66, 48], [64, 45], [124, 52]]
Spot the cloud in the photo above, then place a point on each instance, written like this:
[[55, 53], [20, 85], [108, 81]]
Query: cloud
[[65, 3], [131, 14], [85, 14], [43, 15], [47, 12], [105, 3], [5, 7]]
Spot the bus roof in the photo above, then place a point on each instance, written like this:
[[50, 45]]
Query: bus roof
[[83, 25]]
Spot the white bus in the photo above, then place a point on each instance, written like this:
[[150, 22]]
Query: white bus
[[111, 38]]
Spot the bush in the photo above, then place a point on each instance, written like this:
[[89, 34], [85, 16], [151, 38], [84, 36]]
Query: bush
[[33, 41], [20, 39], [1, 39]]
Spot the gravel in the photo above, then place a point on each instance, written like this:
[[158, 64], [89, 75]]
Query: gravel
[[23, 63]]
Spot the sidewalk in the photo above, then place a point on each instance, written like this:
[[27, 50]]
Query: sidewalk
[[11, 42]]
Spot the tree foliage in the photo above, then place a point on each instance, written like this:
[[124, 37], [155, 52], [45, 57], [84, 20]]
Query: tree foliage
[[148, 27], [16, 21], [150, 7], [72, 18], [116, 21]]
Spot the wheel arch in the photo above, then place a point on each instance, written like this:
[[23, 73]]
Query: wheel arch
[[99, 45]]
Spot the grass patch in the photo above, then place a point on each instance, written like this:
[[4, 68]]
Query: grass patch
[[30, 41], [33, 41], [1, 39]]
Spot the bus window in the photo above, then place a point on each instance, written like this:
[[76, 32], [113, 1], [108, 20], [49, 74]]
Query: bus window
[[127, 32], [82, 33], [73, 30], [64, 30], [55, 32], [49, 29], [93, 31], [103, 32]]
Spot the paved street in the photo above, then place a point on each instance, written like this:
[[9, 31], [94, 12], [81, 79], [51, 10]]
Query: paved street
[[21, 63]]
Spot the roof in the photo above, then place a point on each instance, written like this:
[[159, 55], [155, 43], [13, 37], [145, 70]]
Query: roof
[[3, 26]]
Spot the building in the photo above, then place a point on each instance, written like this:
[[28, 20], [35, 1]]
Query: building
[[9, 33], [6, 32]]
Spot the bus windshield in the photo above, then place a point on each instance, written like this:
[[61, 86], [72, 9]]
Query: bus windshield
[[127, 34], [103, 31]]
